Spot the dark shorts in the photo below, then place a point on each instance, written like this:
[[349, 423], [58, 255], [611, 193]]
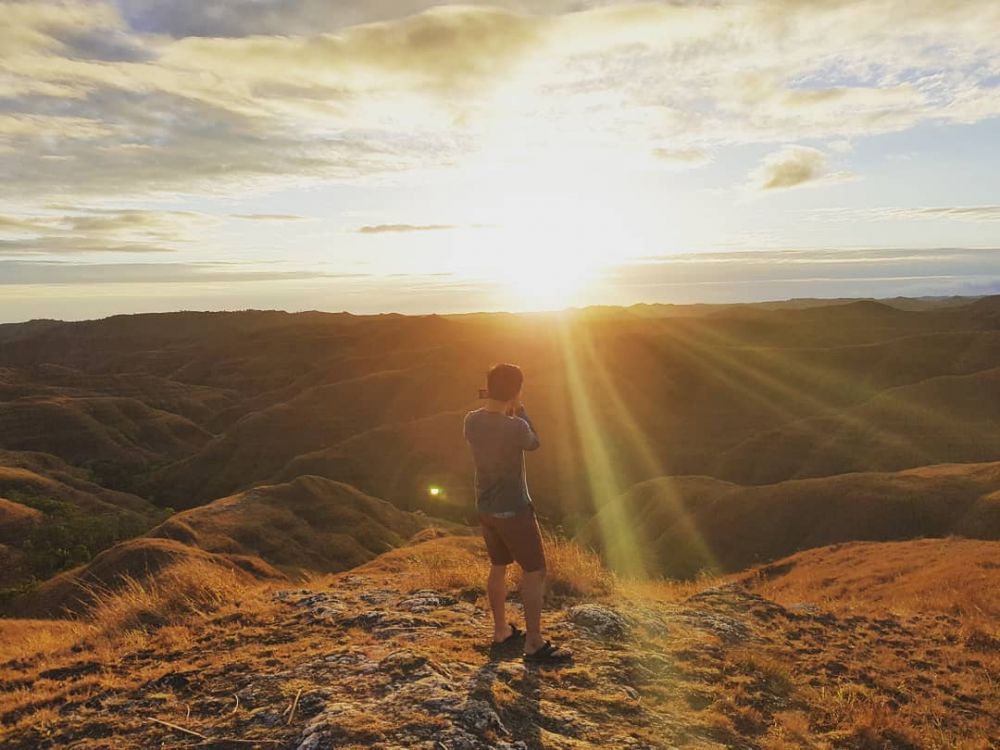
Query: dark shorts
[[515, 538]]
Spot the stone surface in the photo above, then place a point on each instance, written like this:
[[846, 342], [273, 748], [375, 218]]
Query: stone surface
[[600, 620]]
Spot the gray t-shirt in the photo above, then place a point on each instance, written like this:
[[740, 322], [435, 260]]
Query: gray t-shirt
[[498, 443]]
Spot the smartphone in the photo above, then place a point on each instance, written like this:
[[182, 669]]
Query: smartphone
[[483, 393]]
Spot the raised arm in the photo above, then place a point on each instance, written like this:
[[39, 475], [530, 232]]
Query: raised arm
[[529, 438]]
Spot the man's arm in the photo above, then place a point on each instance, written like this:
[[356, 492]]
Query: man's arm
[[529, 438]]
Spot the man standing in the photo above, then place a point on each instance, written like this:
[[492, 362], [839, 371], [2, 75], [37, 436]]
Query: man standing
[[498, 434]]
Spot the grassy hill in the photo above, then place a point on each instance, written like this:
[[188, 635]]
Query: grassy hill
[[132, 568], [202, 405], [395, 653], [954, 576], [947, 418], [680, 526], [309, 524], [53, 517]]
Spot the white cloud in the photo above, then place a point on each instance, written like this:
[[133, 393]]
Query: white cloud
[[829, 272], [397, 228], [204, 96], [793, 166], [682, 157], [956, 213], [98, 230], [19, 272]]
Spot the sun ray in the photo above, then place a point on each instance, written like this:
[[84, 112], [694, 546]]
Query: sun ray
[[637, 443]]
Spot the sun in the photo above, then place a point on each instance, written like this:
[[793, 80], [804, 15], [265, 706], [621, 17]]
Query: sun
[[551, 229], [549, 253], [553, 280]]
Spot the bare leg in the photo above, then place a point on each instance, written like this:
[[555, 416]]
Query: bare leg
[[496, 592], [532, 593]]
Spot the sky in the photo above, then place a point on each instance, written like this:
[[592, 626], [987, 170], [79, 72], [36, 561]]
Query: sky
[[412, 156]]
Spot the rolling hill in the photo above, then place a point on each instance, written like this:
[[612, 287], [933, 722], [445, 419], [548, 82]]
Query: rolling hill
[[54, 516], [308, 524], [132, 417], [681, 526], [952, 576], [123, 569]]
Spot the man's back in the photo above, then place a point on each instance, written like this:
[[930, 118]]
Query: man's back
[[497, 443]]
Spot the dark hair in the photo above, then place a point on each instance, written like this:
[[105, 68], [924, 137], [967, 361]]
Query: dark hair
[[504, 381]]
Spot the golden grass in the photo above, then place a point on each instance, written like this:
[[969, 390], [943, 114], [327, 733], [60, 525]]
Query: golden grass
[[665, 589], [574, 571], [191, 587], [953, 576], [129, 617], [460, 563], [789, 731], [736, 691], [775, 676], [24, 639]]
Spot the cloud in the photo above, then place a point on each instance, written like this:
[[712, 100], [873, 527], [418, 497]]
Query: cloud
[[98, 230], [144, 96], [962, 213], [391, 228], [269, 217], [790, 167], [682, 157], [103, 288], [78, 244], [957, 213], [442, 49], [777, 274], [16, 273], [222, 18]]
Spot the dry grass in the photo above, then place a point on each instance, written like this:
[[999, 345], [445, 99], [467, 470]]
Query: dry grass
[[789, 731], [758, 693], [863, 720], [133, 615], [774, 676], [24, 639], [665, 589], [953, 576], [187, 588], [160, 613], [574, 571], [460, 563]]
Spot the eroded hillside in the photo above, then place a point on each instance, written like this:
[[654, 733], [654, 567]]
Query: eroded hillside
[[182, 409], [680, 526]]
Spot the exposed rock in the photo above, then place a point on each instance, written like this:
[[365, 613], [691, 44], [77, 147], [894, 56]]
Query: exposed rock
[[378, 596], [598, 619], [426, 601], [479, 716]]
